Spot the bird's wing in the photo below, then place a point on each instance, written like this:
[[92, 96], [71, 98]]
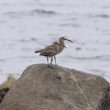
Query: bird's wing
[[39, 51], [48, 51]]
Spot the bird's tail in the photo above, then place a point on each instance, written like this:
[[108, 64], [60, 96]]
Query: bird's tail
[[38, 51]]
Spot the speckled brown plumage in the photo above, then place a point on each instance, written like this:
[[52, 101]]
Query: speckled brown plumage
[[52, 50]]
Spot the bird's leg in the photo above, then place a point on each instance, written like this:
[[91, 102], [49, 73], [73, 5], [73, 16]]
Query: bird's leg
[[55, 60], [51, 61], [48, 61]]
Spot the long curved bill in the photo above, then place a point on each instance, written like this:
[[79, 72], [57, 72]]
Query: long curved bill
[[64, 46], [69, 40]]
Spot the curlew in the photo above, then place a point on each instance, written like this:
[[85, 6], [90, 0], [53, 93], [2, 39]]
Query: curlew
[[52, 50], [49, 52]]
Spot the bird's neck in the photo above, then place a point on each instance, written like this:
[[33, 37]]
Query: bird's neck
[[62, 42]]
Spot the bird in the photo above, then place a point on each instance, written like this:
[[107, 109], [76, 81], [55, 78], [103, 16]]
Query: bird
[[48, 52], [54, 49]]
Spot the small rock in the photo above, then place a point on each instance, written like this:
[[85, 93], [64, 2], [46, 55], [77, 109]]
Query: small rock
[[3, 92]]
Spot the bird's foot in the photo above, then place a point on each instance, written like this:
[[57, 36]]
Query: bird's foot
[[56, 65], [50, 65]]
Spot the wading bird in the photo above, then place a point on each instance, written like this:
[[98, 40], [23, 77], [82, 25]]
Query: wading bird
[[49, 52], [52, 50]]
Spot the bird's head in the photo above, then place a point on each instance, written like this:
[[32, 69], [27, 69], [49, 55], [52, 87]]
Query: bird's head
[[64, 38]]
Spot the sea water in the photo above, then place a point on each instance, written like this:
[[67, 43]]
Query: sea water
[[29, 25]]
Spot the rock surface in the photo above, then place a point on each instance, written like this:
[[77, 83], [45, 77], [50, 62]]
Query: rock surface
[[44, 88], [3, 92], [104, 103]]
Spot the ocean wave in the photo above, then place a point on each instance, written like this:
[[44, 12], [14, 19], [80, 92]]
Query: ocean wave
[[14, 14], [70, 25], [27, 40], [105, 7], [30, 13], [43, 12], [103, 57], [104, 16], [2, 60]]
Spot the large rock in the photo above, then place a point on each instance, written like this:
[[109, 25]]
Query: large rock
[[44, 88]]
